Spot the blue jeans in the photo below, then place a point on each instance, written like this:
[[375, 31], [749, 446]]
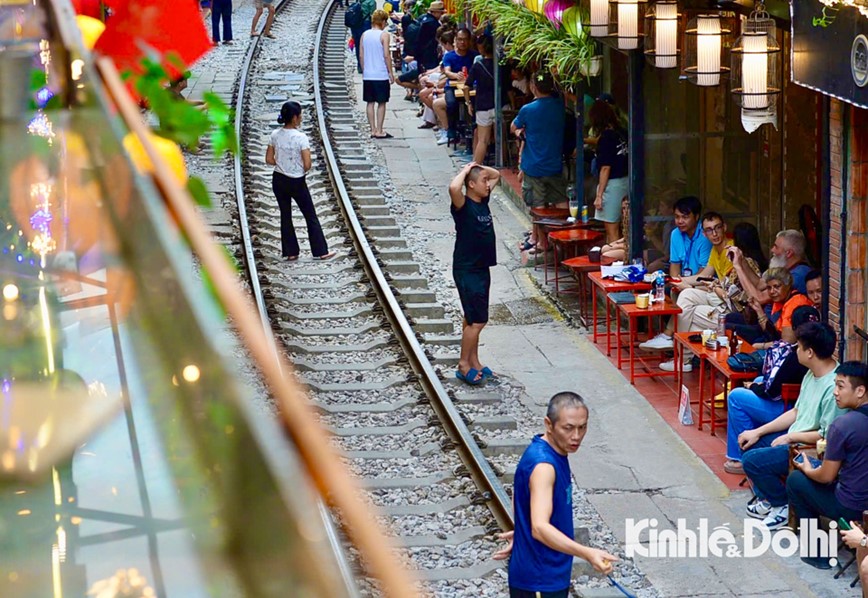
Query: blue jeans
[[767, 467], [746, 411]]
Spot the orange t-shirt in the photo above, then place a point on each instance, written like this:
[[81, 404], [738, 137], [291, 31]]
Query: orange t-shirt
[[787, 308]]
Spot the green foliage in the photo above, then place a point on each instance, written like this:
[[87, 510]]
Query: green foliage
[[533, 41]]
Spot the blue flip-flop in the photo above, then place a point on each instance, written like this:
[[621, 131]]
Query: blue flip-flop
[[486, 372], [470, 377]]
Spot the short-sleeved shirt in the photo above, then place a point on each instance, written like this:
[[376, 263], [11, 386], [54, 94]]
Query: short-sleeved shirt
[[543, 124], [426, 42], [691, 252], [475, 243], [782, 313], [533, 566], [847, 442], [799, 272], [815, 407], [612, 152], [288, 145], [456, 62], [719, 260], [481, 78]]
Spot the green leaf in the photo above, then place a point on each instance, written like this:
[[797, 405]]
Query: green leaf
[[199, 192]]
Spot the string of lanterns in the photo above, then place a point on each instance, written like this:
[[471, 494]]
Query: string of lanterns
[[705, 50]]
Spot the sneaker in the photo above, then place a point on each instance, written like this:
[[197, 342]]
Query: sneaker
[[777, 518], [734, 467], [661, 341], [758, 509], [669, 366], [442, 138]]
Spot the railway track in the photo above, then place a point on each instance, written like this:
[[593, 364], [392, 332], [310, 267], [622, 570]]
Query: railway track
[[362, 329]]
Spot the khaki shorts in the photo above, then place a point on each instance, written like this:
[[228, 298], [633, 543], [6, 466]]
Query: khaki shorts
[[543, 190], [485, 118]]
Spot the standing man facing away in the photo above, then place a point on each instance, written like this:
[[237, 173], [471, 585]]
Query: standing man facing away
[[541, 549], [541, 125], [474, 254], [377, 75]]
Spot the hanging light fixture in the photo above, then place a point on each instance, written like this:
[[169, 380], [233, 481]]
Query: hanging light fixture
[[626, 22], [661, 34], [704, 50], [597, 12], [756, 63]]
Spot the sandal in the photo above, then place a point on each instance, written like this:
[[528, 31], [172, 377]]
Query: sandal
[[472, 377]]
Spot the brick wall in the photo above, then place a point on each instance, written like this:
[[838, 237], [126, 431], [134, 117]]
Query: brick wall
[[852, 274], [836, 157]]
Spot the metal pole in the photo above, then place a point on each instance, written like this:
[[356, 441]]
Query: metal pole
[[636, 162], [580, 146], [498, 107]]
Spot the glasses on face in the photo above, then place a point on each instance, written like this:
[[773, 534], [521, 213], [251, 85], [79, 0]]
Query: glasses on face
[[713, 230]]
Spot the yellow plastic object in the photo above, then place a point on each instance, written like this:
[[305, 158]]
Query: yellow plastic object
[[168, 149], [90, 29]]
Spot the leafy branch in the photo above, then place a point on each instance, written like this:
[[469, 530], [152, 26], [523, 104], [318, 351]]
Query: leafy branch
[[534, 42]]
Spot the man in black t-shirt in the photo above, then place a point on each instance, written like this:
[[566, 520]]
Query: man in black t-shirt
[[474, 254]]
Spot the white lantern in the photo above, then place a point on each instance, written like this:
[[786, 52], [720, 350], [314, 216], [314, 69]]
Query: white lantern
[[626, 21], [704, 50], [756, 64], [661, 34]]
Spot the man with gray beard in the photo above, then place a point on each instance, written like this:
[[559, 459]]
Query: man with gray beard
[[788, 251]]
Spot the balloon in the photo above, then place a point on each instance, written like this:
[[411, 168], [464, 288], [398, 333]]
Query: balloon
[[168, 150], [554, 11], [90, 29]]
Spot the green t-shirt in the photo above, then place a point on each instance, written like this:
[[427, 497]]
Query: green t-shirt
[[815, 407]]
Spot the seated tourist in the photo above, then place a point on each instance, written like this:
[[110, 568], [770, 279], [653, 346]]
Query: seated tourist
[[777, 324], [760, 403], [838, 488], [814, 288], [700, 304], [766, 448]]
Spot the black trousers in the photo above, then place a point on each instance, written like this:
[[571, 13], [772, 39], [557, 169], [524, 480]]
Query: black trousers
[[221, 9], [285, 190]]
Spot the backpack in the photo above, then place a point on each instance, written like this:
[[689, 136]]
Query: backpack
[[354, 18], [410, 37]]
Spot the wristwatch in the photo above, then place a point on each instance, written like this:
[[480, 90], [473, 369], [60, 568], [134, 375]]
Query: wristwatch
[[864, 542]]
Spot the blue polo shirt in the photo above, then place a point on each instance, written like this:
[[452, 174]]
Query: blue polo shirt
[[543, 124], [691, 252]]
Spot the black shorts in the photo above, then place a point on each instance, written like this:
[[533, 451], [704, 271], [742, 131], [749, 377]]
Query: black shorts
[[473, 289], [376, 91], [411, 76]]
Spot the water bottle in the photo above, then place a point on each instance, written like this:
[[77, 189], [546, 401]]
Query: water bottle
[[659, 287]]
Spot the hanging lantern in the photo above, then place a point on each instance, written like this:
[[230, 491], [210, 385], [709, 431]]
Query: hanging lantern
[[704, 50], [537, 6], [756, 63], [572, 22], [661, 34], [626, 22], [554, 11], [598, 17]]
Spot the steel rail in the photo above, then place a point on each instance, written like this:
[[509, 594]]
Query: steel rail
[[334, 538], [478, 467]]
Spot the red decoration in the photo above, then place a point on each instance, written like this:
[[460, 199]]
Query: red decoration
[[88, 8], [139, 28]]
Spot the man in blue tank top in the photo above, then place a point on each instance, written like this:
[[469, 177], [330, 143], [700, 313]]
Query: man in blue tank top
[[541, 549]]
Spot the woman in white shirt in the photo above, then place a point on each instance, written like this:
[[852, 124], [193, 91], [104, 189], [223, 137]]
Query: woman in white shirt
[[377, 75], [289, 152]]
